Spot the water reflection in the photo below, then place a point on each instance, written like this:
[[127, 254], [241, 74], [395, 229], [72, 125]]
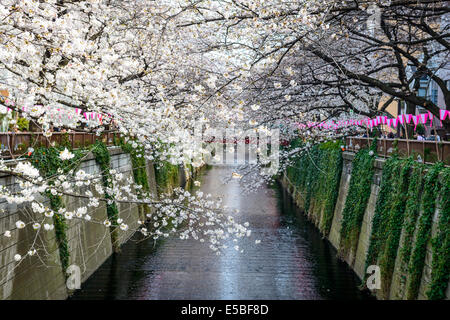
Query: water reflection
[[291, 262]]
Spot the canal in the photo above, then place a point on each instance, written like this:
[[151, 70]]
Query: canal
[[291, 262]]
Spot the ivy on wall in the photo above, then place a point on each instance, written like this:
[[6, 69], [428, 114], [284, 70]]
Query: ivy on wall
[[316, 174], [357, 198], [440, 267], [333, 180], [103, 159], [382, 207], [417, 261], [138, 163], [395, 220], [412, 211], [166, 175], [139, 166], [404, 193], [312, 176], [403, 215], [47, 161]]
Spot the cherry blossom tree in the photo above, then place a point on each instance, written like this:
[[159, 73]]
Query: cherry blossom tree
[[126, 60], [159, 70]]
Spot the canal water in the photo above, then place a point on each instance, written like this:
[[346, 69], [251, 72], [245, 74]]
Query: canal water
[[291, 262]]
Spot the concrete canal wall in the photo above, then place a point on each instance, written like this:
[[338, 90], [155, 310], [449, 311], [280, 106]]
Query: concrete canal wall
[[356, 259], [89, 244]]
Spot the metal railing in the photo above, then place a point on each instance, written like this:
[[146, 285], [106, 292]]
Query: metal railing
[[14, 144], [429, 151]]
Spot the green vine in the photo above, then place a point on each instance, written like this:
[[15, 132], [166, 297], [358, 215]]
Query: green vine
[[47, 161], [138, 163], [394, 224], [357, 198], [316, 174], [407, 189], [397, 210], [166, 175], [379, 220], [139, 166], [441, 244], [332, 180], [103, 159], [312, 176], [417, 262], [412, 211]]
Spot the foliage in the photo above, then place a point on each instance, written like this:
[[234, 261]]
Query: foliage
[[378, 233], [397, 210], [103, 158], [166, 175], [330, 183], [50, 165], [394, 223], [441, 244], [316, 173], [375, 132], [420, 129], [23, 124], [398, 207], [417, 261], [138, 163], [412, 211], [357, 197]]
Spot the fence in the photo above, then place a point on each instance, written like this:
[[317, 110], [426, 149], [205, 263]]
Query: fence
[[429, 151], [13, 144]]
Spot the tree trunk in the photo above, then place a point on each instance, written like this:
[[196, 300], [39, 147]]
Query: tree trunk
[[410, 109]]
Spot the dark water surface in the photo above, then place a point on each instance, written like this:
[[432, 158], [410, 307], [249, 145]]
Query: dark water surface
[[291, 262]]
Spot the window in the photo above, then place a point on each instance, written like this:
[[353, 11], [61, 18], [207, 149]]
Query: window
[[422, 92], [434, 96]]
